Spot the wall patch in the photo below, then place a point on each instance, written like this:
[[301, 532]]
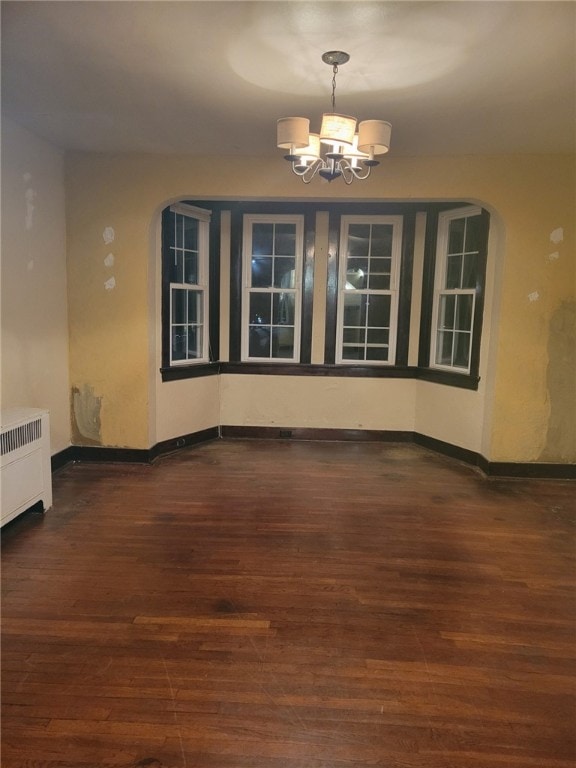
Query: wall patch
[[109, 260], [86, 415], [534, 296], [108, 235], [557, 235], [561, 438], [29, 197], [110, 284]]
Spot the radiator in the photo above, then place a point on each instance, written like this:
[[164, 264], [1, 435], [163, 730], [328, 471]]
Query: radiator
[[25, 471]]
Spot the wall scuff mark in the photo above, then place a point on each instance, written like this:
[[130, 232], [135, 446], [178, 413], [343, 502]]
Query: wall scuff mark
[[561, 437], [86, 408]]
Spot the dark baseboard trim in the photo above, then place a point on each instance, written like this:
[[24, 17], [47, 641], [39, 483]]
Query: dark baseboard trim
[[184, 441], [76, 453], [62, 458], [142, 456], [306, 433], [526, 470], [448, 449], [97, 453], [490, 468]]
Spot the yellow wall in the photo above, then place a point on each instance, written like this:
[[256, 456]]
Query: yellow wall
[[522, 411]]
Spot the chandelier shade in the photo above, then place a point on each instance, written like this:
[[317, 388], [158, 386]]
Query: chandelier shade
[[337, 128], [374, 136], [293, 132], [343, 148], [311, 152]]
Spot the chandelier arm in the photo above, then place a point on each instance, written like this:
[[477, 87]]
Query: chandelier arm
[[361, 176], [347, 172], [353, 173], [307, 173], [312, 171]]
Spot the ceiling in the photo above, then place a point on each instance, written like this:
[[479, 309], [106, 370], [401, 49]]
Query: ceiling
[[213, 77]]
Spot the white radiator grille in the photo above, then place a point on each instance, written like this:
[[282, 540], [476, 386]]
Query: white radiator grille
[[25, 472], [19, 436]]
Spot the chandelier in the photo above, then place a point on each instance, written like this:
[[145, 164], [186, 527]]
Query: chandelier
[[338, 150]]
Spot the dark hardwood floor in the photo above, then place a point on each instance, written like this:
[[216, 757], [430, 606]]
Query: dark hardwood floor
[[276, 604]]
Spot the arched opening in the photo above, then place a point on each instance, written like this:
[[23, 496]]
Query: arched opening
[[322, 391]]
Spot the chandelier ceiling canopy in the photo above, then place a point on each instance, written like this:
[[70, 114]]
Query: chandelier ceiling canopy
[[343, 148]]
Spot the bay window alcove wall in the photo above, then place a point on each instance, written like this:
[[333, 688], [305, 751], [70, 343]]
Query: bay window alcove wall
[[326, 317], [523, 408]]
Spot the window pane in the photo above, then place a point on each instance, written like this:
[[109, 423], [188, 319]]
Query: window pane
[[473, 229], [377, 353], [444, 348], [285, 240], [453, 271], [378, 336], [469, 274], [179, 305], [381, 240], [379, 311], [356, 273], [260, 306], [191, 268], [262, 272], [190, 233], [354, 336], [463, 313], [284, 272], [176, 266], [380, 274], [354, 309], [282, 342], [447, 308], [461, 349], [380, 282], [456, 236], [179, 230], [194, 307], [259, 341], [178, 342], [353, 353], [262, 239], [283, 309], [194, 341], [358, 240], [380, 266]]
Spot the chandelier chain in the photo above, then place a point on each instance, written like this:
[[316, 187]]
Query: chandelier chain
[[335, 72]]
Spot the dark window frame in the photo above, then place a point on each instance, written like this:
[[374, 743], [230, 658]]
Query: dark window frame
[[328, 368], [464, 380], [193, 369]]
